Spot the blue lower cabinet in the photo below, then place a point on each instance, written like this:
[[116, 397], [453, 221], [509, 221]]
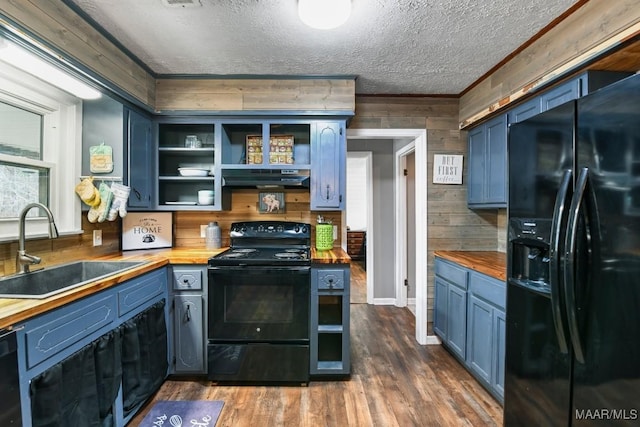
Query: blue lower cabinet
[[97, 359], [329, 341], [469, 317]]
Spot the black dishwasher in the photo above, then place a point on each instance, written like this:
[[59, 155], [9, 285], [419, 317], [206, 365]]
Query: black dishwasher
[[10, 413]]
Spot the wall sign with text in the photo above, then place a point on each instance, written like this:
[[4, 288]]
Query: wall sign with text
[[147, 230], [447, 169]]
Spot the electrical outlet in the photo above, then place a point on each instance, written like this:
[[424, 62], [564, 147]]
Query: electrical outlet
[[97, 237], [335, 232], [203, 231]]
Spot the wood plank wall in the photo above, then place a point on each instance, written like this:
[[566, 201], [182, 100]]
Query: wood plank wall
[[244, 207], [60, 27], [255, 94], [451, 225], [591, 25]]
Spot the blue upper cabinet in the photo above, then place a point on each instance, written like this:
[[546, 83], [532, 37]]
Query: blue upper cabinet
[[140, 143], [525, 110], [487, 184], [578, 86], [328, 165]]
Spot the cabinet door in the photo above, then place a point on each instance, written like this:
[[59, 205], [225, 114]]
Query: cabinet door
[[524, 111], [475, 182], [496, 162], [457, 320], [440, 308], [560, 94], [140, 160], [499, 331], [189, 333], [480, 340], [328, 163]]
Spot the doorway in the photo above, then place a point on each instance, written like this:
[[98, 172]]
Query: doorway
[[419, 139], [359, 217]]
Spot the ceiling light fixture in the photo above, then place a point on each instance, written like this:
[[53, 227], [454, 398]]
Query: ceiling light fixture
[[20, 58], [324, 14]]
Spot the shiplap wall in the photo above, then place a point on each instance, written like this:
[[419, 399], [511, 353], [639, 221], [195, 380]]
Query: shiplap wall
[[256, 94], [451, 225], [244, 207], [586, 29]]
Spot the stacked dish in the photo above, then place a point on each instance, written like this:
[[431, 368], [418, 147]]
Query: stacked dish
[[193, 172]]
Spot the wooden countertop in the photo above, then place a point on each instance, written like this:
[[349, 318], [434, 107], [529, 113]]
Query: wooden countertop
[[14, 310], [331, 256], [492, 264]]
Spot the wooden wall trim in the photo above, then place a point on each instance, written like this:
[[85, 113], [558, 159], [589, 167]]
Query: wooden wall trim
[[591, 31], [255, 94]]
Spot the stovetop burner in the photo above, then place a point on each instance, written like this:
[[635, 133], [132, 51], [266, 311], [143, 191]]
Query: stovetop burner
[[267, 243]]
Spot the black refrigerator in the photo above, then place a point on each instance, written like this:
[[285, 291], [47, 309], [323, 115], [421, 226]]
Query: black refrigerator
[[573, 263]]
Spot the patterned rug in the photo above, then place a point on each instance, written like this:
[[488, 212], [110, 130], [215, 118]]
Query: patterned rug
[[183, 413]]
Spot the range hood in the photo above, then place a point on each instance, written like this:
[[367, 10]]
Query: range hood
[[265, 178]]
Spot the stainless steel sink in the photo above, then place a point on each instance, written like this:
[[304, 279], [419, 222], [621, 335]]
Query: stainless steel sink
[[54, 280]]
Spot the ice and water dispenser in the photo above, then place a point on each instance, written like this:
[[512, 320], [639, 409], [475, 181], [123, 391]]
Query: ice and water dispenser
[[529, 260]]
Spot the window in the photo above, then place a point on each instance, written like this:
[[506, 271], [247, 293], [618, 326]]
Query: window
[[40, 154], [21, 136]]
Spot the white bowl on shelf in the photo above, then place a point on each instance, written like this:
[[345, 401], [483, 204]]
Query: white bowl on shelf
[[193, 172], [205, 197]]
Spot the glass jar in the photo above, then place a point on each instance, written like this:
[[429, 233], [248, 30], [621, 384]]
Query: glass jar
[[213, 236], [192, 141]]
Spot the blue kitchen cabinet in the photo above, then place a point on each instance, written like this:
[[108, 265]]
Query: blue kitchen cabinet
[[469, 317], [450, 322], [487, 177], [486, 332], [525, 110], [329, 342], [188, 292], [140, 162], [55, 339], [578, 86], [328, 165]]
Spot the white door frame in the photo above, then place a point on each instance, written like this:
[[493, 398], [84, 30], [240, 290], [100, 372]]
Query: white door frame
[[401, 222], [419, 138]]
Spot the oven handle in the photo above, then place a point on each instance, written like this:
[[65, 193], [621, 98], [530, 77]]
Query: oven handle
[[262, 268]]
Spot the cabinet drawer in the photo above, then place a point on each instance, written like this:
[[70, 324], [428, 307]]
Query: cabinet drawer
[[488, 289], [331, 279], [52, 333], [141, 291], [453, 273], [185, 280]]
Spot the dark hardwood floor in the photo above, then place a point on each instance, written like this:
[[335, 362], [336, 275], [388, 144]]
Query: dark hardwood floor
[[358, 283], [394, 382]]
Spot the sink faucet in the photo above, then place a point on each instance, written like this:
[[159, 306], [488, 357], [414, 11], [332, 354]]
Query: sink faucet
[[23, 259]]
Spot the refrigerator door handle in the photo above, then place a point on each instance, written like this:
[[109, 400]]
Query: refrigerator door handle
[[569, 262], [555, 279]]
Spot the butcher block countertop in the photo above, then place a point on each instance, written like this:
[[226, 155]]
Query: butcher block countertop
[[14, 310], [492, 264], [332, 256]]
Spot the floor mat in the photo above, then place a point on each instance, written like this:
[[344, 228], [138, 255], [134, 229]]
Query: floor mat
[[183, 413]]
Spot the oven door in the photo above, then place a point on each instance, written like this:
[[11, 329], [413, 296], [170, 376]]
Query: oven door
[[259, 303]]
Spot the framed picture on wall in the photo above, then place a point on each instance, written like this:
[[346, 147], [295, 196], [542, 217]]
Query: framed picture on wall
[[271, 202]]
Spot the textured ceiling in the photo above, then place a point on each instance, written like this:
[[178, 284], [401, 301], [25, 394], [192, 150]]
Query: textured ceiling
[[392, 46]]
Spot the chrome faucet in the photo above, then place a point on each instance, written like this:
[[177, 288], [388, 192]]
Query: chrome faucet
[[23, 259]]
